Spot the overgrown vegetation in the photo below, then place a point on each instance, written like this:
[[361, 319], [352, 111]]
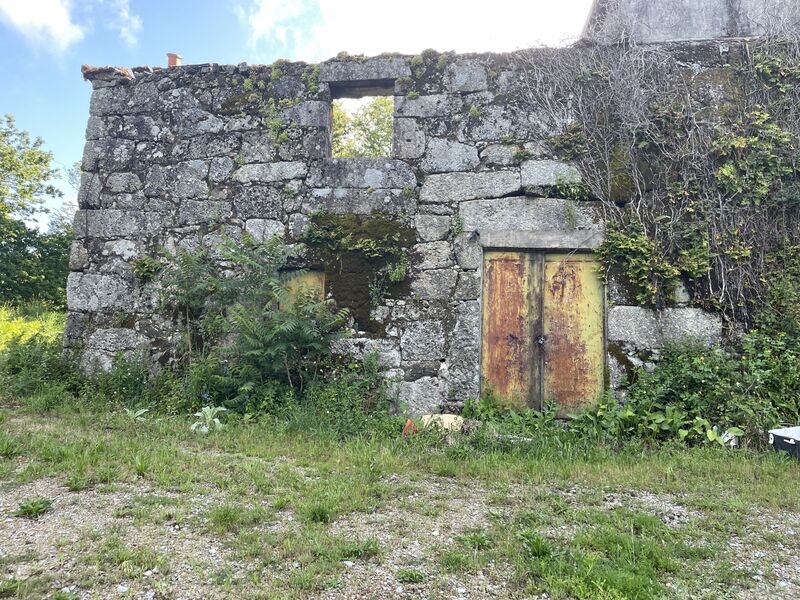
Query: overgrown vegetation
[[696, 170], [695, 395], [698, 179], [320, 452], [253, 346], [251, 342]]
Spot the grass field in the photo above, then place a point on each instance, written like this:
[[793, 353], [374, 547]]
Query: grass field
[[105, 504]]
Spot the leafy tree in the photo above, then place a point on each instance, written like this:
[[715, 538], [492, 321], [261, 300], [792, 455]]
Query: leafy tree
[[73, 175], [33, 265], [25, 171], [365, 132]]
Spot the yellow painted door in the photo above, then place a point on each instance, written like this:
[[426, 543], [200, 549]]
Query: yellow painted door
[[313, 281], [543, 329], [573, 349]]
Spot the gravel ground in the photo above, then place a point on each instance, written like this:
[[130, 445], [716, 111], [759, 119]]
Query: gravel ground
[[411, 532]]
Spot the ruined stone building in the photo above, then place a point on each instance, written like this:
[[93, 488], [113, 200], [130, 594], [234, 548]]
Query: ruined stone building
[[502, 284]]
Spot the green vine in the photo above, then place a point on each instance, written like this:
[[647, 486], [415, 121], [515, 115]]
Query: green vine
[[757, 154], [641, 260]]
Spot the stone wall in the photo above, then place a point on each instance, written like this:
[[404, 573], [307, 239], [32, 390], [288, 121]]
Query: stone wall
[[183, 157], [648, 21]]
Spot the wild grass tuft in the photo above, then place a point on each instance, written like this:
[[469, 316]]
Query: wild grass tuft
[[226, 518], [33, 508], [409, 576]]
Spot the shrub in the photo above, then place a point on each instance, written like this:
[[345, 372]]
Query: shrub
[[32, 359], [697, 394], [489, 409], [207, 419], [351, 401], [126, 383], [271, 333], [286, 344]]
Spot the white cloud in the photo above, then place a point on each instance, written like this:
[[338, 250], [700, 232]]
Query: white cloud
[[43, 22], [55, 25], [128, 24], [314, 30]]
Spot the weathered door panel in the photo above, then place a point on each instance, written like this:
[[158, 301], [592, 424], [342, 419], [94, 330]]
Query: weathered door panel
[[313, 281], [510, 359], [574, 348]]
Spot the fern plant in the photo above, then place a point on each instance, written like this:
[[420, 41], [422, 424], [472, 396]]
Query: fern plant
[[284, 343], [276, 335], [270, 333]]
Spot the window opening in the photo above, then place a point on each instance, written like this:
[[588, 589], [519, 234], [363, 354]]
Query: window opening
[[362, 125]]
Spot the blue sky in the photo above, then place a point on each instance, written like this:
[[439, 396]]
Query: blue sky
[[44, 42]]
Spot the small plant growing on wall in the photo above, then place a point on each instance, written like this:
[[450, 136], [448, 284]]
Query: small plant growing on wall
[[310, 78], [456, 225], [520, 155], [145, 267]]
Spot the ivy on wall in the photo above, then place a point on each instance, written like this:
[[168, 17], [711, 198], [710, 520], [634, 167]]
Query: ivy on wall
[[693, 161]]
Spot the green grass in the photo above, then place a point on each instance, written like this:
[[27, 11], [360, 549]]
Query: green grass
[[151, 509], [226, 518], [21, 325], [34, 587], [570, 545], [119, 560], [410, 576]]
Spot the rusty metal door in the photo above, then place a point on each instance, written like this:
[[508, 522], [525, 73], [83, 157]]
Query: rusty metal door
[[310, 280], [543, 329], [573, 304], [510, 356], [313, 281]]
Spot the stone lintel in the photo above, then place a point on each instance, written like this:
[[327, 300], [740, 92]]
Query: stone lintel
[[545, 239]]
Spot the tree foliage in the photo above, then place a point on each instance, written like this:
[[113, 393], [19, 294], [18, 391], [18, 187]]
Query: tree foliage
[[365, 132], [33, 264], [25, 171]]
